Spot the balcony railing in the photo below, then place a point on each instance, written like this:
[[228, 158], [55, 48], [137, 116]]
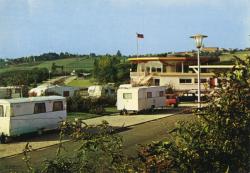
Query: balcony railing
[[141, 74]]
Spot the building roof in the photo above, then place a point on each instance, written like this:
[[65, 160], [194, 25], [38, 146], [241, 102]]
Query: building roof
[[212, 66], [168, 58], [30, 99]]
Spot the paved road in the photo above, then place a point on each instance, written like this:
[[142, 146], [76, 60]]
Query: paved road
[[139, 134]]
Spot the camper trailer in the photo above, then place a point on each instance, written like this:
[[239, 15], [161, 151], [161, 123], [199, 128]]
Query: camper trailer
[[139, 98], [65, 91], [34, 114], [99, 91]]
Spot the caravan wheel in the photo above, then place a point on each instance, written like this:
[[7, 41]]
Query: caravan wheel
[[124, 112], [5, 139]]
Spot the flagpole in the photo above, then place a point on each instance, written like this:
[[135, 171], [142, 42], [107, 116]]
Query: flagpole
[[137, 45]]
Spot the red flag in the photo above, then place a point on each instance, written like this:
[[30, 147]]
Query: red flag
[[139, 35]]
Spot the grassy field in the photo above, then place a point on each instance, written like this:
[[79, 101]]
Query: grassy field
[[82, 115], [80, 83], [69, 64], [229, 57]]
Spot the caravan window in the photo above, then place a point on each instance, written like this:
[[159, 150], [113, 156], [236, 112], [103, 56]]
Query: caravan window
[[65, 93], [149, 94], [57, 106], [161, 93], [39, 108], [127, 95], [1, 111]]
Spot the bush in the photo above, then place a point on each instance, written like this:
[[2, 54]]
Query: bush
[[100, 150], [89, 104]]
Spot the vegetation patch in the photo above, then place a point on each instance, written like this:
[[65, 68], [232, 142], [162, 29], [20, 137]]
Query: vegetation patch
[[81, 83]]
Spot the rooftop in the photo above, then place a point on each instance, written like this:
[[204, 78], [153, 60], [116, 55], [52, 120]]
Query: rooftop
[[31, 99]]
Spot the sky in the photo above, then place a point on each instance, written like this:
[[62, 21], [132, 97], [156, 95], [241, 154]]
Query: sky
[[33, 27]]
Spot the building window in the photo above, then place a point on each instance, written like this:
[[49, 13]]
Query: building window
[[127, 95], [39, 108], [57, 106], [157, 82], [183, 81], [158, 69], [178, 67], [161, 93], [153, 69], [186, 68], [149, 94], [202, 80], [1, 111], [65, 93]]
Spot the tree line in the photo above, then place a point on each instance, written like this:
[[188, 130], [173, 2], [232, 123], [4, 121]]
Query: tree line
[[24, 77]]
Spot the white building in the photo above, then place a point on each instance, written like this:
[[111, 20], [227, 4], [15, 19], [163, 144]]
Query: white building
[[178, 72]]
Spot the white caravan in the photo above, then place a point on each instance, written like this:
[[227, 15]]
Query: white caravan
[[34, 114], [99, 90], [140, 98]]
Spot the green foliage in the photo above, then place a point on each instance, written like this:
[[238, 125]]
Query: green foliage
[[111, 69], [89, 104], [218, 141], [24, 77], [100, 150]]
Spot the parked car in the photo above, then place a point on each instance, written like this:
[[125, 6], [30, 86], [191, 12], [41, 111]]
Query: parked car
[[188, 97], [172, 100], [192, 96]]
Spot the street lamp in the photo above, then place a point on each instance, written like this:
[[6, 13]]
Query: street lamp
[[49, 77], [198, 41]]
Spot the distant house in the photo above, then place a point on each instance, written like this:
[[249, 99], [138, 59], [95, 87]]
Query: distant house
[[65, 91], [10, 92], [210, 49], [178, 72]]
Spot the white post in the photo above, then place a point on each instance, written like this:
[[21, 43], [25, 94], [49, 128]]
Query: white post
[[137, 46], [182, 67], [199, 84]]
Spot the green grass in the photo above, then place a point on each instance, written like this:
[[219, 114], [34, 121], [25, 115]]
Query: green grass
[[69, 64], [81, 83], [83, 115], [229, 57]]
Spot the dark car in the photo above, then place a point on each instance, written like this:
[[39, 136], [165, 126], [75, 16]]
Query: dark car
[[188, 97]]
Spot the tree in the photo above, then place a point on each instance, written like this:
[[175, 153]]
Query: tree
[[118, 54], [110, 69]]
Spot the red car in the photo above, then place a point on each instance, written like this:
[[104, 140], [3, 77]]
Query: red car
[[172, 100]]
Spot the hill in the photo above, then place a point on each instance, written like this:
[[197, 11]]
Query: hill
[[69, 64], [227, 58]]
